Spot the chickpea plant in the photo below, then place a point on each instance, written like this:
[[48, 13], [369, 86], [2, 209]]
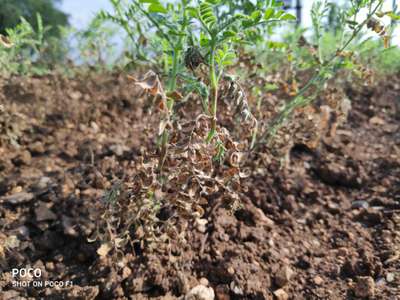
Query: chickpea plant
[[328, 64], [185, 30], [220, 36]]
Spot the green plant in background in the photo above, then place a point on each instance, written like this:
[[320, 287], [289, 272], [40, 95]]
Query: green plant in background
[[329, 61], [52, 17], [96, 45], [26, 45], [126, 15]]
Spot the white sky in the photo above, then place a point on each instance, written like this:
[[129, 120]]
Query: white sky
[[81, 12]]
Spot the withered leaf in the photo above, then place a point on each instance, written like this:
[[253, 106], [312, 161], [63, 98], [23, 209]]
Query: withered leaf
[[5, 41], [104, 249], [150, 83]]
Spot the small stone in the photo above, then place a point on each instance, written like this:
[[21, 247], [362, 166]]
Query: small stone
[[222, 293], [343, 252], [126, 272], [22, 231], [204, 281], [376, 121], [36, 148], [200, 292], [261, 218], [50, 266], [94, 126], [359, 204], [365, 287], [18, 198], [318, 280], [201, 225], [43, 213], [236, 289], [42, 184], [68, 227], [118, 149], [390, 277], [281, 294], [23, 158], [283, 276], [231, 270], [17, 189]]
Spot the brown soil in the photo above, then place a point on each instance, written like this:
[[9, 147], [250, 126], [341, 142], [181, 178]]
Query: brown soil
[[324, 226]]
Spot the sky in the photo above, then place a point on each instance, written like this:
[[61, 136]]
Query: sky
[[82, 11]]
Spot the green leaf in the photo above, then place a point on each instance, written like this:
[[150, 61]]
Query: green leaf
[[229, 34], [279, 14], [157, 8], [207, 15], [247, 23], [204, 41], [394, 17], [192, 12], [256, 16], [288, 17], [214, 2], [269, 13], [276, 45]]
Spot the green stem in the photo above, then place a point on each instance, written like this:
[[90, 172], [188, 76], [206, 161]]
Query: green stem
[[174, 70], [213, 92]]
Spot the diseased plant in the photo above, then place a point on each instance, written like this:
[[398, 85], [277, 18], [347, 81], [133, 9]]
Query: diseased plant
[[171, 24], [220, 36]]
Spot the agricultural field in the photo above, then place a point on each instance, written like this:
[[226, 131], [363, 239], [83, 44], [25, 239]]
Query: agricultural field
[[222, 151]]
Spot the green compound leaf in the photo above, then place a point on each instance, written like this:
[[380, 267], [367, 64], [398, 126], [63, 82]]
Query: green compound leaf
[[207, 15]]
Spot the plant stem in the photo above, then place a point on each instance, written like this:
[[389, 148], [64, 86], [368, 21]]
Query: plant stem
[[174, 70], [213, 93]]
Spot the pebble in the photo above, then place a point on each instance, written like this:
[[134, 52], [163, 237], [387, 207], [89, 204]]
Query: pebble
[[126, 272], [376, 121], [359, 204], [95, 127], [68, 227], [118, 149], [281, 294], [283, 276], [318, 280], [390, 277], [42, 184], [37, 148], [201, 225], [343, 252], [260, 217], [18, 198], [43, 213], [204, 281], [365, 287], [24, 158], [200, 292]]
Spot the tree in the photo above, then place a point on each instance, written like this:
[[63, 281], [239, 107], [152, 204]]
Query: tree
[[12, 10]]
